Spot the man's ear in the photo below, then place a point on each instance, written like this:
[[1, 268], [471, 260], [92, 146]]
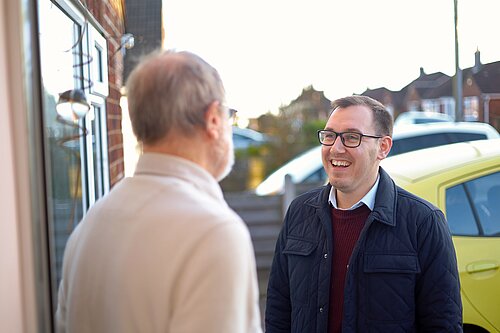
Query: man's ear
[[213, 120], [385, 145]]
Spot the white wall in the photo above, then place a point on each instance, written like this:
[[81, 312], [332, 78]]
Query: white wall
[[17, 301], [10, 288]]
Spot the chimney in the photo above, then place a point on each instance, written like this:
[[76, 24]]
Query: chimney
[[477, 63], [422, 73]]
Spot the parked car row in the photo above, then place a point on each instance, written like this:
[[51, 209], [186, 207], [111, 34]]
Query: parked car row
[[463, 180], [308, 166]]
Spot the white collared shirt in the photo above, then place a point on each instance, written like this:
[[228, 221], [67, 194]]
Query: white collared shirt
[[368, 199]]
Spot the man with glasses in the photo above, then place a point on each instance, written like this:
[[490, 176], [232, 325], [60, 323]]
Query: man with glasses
[[362, 254], [163, 252]]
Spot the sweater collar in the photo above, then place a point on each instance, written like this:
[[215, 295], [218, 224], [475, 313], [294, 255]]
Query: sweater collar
[[164, 165]]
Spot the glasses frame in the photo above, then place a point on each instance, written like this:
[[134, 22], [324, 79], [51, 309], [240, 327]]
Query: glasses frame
[[342, 139], [232, 116]]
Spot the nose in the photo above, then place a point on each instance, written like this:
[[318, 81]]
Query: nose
[[337, 145]]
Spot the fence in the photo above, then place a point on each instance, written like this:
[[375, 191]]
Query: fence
[[264, 218]]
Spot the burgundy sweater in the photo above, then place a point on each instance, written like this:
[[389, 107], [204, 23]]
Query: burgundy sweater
[[347, 225]]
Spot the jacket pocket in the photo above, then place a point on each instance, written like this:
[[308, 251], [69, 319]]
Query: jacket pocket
[[391, 263], [300, 257], [389, 281]]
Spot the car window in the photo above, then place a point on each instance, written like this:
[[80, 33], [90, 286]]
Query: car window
[[404, 145], [486, 202], [459, 212], [473, 202]]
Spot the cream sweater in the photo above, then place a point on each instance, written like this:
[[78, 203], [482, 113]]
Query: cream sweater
[[162, 252]]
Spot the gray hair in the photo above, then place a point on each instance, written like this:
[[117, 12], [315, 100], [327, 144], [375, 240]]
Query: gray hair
[[171, 90], [382, 117]]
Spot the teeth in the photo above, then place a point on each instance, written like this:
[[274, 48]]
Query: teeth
[[341, 163]]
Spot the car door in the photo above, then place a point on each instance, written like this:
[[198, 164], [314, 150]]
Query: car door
[[473, 214]]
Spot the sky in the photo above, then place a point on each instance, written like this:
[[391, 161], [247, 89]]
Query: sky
[[267, 51]]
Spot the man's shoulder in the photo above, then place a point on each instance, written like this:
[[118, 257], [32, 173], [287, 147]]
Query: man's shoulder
[[412, 200], [172, 202], [411, 207]]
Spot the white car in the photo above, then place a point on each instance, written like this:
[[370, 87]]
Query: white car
[[413, 137], [421, 117], [308, 167]]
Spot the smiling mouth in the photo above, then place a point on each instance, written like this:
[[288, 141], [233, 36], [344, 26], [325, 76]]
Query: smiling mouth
[[340, 164]]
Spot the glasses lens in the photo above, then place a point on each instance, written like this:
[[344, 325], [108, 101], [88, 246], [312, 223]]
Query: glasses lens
[[351, 139], [327, 137]]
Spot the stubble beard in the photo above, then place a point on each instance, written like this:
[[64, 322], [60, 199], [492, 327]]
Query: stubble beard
[[229, 159]]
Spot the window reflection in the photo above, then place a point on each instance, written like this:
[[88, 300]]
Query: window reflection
[[59, 55]]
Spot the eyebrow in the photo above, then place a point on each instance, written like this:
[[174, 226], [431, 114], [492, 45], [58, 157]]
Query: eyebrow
[[347, 130]]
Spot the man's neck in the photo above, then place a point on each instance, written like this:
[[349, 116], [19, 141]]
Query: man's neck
[[346, 200], [182, 148]]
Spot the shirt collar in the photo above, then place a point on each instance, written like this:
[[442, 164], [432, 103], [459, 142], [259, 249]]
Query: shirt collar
[[368, 199]]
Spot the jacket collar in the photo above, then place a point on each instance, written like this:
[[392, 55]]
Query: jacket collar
[[384, 210], [385, 200]]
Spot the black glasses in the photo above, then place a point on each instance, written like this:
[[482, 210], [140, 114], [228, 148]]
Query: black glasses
[[349, 139]]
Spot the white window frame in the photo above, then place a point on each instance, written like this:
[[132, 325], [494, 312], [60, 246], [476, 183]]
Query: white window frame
[[97, 41], [97, 101]]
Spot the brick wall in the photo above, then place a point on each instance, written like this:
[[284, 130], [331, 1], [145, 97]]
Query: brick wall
[[495, 113], [110, 15]]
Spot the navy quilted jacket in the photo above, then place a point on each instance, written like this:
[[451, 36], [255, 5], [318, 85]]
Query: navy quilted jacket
[[402, 275]]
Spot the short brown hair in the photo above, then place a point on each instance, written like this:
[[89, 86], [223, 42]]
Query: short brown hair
[[382, 117]]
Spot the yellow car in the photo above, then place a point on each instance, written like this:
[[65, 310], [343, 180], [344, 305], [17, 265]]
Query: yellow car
[[463, 180]]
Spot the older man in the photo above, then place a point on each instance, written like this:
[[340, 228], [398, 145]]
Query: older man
[[162, 252]]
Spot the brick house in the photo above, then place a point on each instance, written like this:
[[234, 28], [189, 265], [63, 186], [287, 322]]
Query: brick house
[[481, 91], [309, 106], [385, 96], [434, 92]]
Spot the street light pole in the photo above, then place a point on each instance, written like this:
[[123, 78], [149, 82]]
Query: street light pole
[[457, 83]]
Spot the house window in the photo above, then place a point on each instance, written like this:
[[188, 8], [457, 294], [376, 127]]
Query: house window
[[448, 106], [471, 108], [413, 106], [431, 105], [73, 55]]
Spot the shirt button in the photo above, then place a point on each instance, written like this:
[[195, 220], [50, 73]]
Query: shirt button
[[321, 310], [325, 255]]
